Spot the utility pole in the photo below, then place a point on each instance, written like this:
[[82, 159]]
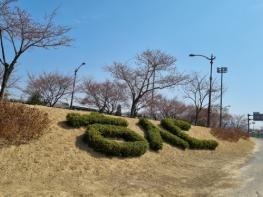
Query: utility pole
[[211, 59], [221, 70], [74, 83]]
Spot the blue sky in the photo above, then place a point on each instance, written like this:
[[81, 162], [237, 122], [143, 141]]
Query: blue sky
[[116, 30]]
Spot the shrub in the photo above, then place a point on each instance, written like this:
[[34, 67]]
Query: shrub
[[96, 137], [229, 134], [155, 136], [78, 120], [184, 125], [20, 124], [194, 143], [152, 134], [174, 140]]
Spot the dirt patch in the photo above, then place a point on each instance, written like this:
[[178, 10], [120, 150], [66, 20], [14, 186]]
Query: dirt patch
[[60, 164]]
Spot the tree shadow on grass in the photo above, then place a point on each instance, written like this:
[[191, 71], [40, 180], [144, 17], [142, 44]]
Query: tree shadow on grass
[[64, 125]]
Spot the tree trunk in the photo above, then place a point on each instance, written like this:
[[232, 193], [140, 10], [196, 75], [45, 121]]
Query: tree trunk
[[6, 76], [196, 116], [133, 110]]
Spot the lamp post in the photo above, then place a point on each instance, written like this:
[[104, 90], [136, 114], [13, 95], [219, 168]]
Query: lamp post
[[74, 83], [211, 59], [221, 70]]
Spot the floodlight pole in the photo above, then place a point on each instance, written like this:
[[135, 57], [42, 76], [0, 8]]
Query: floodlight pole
[[74, 83], [221, 70], [211, 59]]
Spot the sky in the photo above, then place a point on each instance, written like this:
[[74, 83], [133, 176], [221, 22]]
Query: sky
[[105, 31]]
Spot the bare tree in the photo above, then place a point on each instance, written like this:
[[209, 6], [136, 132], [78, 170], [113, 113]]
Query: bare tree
[[166, 108], [139, 79], [106, 96], [197, 90], [19, 33], [51, 87], [238, 121]]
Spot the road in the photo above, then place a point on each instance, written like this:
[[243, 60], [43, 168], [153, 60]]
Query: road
[[252, 175]]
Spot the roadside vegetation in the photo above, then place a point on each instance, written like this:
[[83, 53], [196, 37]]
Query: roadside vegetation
[[230, 134], [20, 124], [172, 126], [100, 128]]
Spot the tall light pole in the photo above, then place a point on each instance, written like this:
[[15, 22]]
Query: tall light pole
[[211, 59], [221, 70], [74, 83]]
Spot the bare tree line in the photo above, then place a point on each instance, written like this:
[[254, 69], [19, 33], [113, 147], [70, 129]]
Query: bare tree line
[[135, 87], [19, 32]]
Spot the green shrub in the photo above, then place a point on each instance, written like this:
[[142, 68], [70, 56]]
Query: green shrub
[[174, 140], [184, 125], [96, 137], [152, 134], [155, 136], [77, 120], [194, 143]]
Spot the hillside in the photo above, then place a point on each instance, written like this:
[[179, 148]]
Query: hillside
[[60, 164]]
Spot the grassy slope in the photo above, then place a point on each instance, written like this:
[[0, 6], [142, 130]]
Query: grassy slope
[[59, 164]]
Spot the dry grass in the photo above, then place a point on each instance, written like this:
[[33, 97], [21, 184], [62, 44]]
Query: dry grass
[[230, 134], [20, 124], [60, 164]]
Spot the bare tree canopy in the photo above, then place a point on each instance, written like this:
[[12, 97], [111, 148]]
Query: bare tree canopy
[[166, 108], [19, 32], [106, 96], [51, 87], [197, 91], [139, 78], [238, 121]]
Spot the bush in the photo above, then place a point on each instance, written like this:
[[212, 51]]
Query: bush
[[155, 136], [184, 125], [152, 134], [96, 137], [77, 120], [194, 143], [19, 124], [229, 134], [174, 140]]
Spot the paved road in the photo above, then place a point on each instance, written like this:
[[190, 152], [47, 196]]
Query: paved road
[[252, 173]]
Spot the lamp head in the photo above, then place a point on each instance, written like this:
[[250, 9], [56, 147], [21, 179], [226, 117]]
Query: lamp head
[[191, 55]]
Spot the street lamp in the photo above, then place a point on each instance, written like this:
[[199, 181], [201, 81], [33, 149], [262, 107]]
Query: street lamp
[[74, 83], [221, 70], [211, 59]]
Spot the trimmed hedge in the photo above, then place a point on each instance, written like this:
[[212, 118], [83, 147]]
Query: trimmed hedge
[[184, 125], [169, 124], [152, 134], [96, 137], [77, 120], [174, 140], [155, 136]]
